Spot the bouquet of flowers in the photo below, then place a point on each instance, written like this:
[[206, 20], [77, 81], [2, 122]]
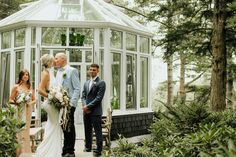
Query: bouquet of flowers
[[23, 98], [59, 98]]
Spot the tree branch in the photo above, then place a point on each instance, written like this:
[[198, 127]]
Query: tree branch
[[187, 84], [136, 12]]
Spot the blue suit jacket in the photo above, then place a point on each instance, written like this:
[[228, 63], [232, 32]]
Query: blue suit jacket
[[71, 83], [93, 97]]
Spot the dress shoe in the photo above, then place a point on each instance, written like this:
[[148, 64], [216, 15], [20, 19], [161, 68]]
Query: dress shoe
[[86, 150], [97, 154]]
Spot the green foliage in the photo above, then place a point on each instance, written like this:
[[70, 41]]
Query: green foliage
[[9, 7], [201, 93], [9, 126], [226, 117], [188, 130], [184, 131], [185, 118], [124, 148], [222, 151]]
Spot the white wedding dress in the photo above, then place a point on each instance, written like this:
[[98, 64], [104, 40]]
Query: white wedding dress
[[51, 146]]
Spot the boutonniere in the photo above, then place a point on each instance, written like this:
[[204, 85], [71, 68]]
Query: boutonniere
[[94, 83], [64, 76]]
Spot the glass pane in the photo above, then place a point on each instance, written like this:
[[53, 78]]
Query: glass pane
[[75, 55], [4, 78], [74, 10], [131, 42], [45, 52], [144, 45], [116, 39], [101, 38], [81, 37], [87, 69], [88, 56], [32, 68], [90, 14], [71, 1], [70, 10], [19, 64], [143, 82], [131, 82], [33, 36], [20, 37], [55, 51], [101, 63], [115, 81], [6, 40], [53, 36]]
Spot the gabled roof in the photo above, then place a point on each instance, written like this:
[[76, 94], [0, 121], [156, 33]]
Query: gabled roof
[[87, 11]]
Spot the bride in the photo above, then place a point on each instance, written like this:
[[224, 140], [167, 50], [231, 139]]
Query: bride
[[51, 146]]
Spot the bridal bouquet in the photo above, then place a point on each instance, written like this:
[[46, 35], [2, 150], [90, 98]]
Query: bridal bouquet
[[59, 98]]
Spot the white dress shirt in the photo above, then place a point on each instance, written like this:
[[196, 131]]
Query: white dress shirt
[[91, 82], [59, 76]]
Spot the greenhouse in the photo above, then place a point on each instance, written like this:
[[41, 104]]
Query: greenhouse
[[89, 31]]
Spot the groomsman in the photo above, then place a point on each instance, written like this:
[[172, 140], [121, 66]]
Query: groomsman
[[92, 95]]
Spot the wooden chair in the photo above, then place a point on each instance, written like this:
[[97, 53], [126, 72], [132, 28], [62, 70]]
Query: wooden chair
[[106, 130], [36, 133]]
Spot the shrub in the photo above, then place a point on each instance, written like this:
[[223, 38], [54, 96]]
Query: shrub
[[124, 148], [184, 131], [9, 126]]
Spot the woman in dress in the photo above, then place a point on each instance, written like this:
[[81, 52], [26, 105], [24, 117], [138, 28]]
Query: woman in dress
[[22, 95], [51, 146]]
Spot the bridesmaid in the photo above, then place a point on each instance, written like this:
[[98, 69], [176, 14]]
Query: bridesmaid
[[23, 89]]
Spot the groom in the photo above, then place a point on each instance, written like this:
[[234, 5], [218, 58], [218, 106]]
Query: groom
[[67, 76]]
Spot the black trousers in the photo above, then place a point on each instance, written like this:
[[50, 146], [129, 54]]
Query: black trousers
[[91, 122], [69, 137]]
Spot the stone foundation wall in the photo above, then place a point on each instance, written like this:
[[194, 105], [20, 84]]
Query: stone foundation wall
[[131, 125]]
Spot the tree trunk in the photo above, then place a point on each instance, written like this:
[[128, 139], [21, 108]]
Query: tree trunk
[[170, 94], [169, 57], [218, 77], [182, 93]]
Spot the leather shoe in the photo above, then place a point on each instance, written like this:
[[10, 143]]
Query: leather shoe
[[69, 155], [97, 154]]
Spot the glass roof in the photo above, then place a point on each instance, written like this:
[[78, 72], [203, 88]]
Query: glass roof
[[72, 10]]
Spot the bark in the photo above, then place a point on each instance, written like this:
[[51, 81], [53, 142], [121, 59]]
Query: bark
[[218, 77], [182, 92], [169, 56], [170, 95]]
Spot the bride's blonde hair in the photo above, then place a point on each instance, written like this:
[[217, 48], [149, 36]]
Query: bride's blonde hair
[[46, 60]]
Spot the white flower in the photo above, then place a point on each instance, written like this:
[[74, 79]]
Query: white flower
[[23, 98], [28, 97], [59, 96]]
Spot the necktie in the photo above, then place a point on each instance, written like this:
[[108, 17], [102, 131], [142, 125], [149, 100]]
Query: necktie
[[90, 84]]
